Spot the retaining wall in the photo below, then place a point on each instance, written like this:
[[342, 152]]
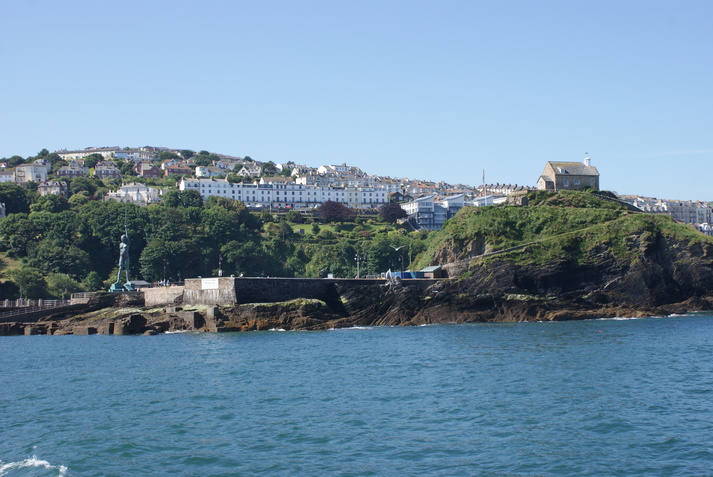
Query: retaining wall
[[162, 296], [233, 290]]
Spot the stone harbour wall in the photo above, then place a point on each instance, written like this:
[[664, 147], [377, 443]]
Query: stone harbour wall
[[162, 296], [225, 291]]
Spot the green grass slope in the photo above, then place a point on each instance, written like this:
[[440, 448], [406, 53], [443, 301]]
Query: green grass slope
[[564, 226]]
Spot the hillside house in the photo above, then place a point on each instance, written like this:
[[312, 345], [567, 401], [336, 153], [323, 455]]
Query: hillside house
[[7, 175], [59, 188], [135, 193], [569, 176], [177, 170], [147, 170], [72, 170], [30, 172], [250, 170], [429, 213], [107, 170], [209, 171]]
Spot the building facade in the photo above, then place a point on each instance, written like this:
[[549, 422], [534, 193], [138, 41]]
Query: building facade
[[430, 213], [107, 170], [569, 176], [30, 172], [282, 192]]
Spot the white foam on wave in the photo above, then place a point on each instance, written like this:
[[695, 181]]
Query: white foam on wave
[[32, 462], [277, 329], [627, 318], [617, 318]]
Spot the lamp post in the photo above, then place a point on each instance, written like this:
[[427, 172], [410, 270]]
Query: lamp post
[[358, 259]]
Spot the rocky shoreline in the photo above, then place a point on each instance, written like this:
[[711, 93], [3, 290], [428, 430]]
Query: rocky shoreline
[[395, 304]]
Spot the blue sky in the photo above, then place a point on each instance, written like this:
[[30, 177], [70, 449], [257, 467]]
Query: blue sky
[[422, 89]]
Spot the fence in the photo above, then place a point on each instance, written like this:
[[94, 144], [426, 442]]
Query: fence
[[24, 307], [25, 303]]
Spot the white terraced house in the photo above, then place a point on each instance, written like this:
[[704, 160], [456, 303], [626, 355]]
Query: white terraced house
[[279, 192]]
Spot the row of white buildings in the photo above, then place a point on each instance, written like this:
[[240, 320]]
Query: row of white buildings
[[284, 193], [427, 213], [686, 211]]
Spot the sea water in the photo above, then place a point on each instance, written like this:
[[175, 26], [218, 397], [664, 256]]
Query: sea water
[[606, 397]]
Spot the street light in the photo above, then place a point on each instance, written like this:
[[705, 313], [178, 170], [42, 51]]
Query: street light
[[358, 259]]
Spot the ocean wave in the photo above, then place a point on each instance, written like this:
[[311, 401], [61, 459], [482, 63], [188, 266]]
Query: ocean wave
[[11, 468], [353, 328]]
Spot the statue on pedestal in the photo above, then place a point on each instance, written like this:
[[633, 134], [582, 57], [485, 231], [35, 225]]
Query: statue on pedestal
[[123, 264]]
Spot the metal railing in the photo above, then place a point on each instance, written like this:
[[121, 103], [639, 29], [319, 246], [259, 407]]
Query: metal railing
[[24, 307], [25, 303]]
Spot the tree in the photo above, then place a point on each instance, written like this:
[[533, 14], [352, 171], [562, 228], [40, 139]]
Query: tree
[[43, 153], [15, 198], [201, 160], [183, 198], [79, 199], [391, 212], [294, 217], [164, 259], [57, 165], [221, 225], [167, 155], [18, 233], [187, 153], [56, 256], [15, 160], [266, 216], [332, 211], [62, 286], [268, 169], [85, 184], [30, 282], [91, 160], [9, 290], [53, 158], [248, 258], [92, 282], [50, 203]]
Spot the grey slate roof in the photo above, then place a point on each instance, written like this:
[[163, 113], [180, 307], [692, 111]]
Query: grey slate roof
[[574, 168]]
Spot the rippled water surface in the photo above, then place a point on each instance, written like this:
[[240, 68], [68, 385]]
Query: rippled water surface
[[614, 397]]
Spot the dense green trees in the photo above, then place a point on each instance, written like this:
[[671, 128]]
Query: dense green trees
[[332, 211], [391, 212], [65, 246], [16, 198], [91, 160]]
